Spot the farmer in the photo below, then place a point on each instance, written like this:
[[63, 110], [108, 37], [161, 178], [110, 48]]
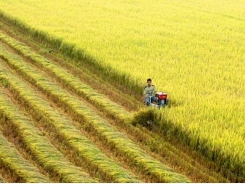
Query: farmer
[[149, 92]]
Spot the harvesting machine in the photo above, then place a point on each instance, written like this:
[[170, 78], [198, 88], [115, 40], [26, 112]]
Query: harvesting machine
[[159, 100]]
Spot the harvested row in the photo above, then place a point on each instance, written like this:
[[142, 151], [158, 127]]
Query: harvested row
[[70, 80], [2, 180], [172, 155], [85, 148], [183, 120], [81, 111], [13, 160], [153, 142], [45, 153], [85, 72]]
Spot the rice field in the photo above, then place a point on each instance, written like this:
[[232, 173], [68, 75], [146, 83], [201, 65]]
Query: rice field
[[29, 124], [75, 75]]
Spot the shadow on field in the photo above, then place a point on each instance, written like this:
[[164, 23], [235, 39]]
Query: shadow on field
[[144, 117], [151, 117]]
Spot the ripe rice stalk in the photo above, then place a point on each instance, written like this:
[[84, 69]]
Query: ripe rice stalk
[[85, 148], [190, 54], [69, 50], [46, 154], [80, 146], [27, 52], [120, 141], [70, 80], [184, 162], [12, 159], [79, 88]]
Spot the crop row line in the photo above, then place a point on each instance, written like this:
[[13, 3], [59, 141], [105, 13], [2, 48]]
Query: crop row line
[[69, 50], [81, 111], [86, 149], [69, 80], [45, 153], [157, 142], [10, 158], [101, 102], [73, 83], [84, 73], [58, 43]]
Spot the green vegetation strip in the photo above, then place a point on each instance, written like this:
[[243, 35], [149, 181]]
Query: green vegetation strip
[[46, 154], [120, 141], [86, 149], [12, 159], [72, 81]]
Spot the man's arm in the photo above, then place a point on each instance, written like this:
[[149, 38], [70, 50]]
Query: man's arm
[[155, 90]]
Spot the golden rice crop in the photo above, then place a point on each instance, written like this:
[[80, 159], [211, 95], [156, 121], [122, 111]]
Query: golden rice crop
[[12, 159], [48, 156], [155, 143], [96, 160], [69, 79], [81, 110], [192, 49]]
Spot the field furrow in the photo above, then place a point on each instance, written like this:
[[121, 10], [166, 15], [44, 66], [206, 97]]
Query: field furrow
[[71, 81], [82, 112], [153, 142], [94, 158], [8, 176], [11, 159], [84, 72], [44, 152]]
